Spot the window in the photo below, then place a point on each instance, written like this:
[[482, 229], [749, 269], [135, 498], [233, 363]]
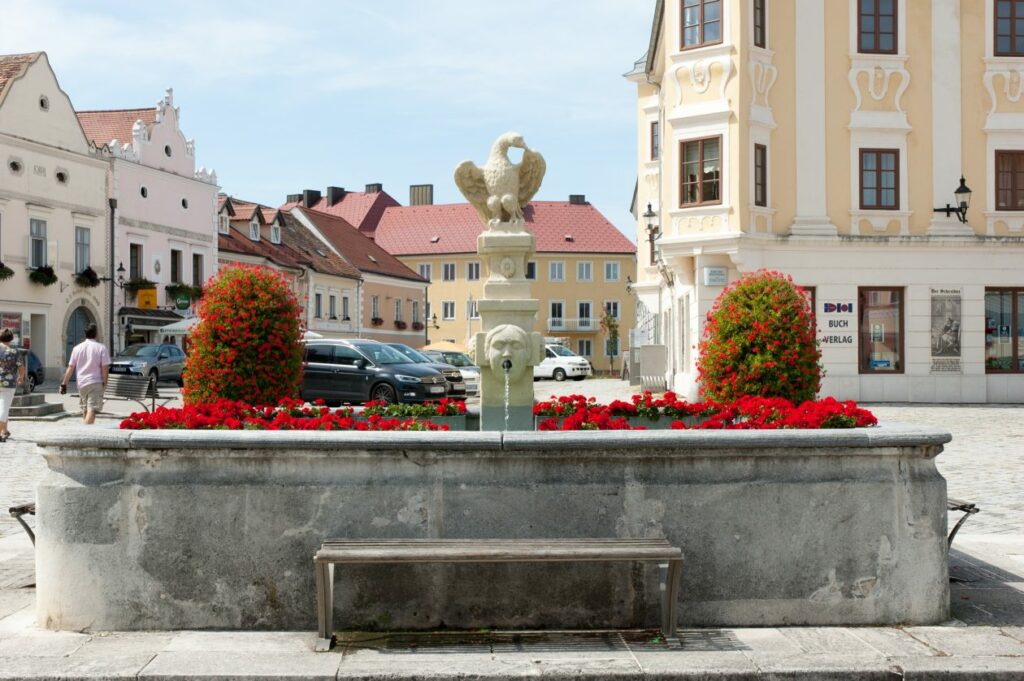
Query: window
[[556, 271], [448, 273], [1009, 28], [655, 141], [702, 23], [175, 266], [1004, 330], [556, 316], [223, 223], [612, 307], [425, 270], [700, 178], [254, 231], [611, 271], [275, 234], [583, 310], [1010, 179], [584, 271], [879, 179], [135, 261], [531, 270], [332, 306], [760, 175], [318, 306], [398, 310], [197, 269], [472, 271], [37, 243], [375, 307], [82, 238], [319, 354], [448, 310], [881, 330], [472, 309], [876, 26], [415, 312], [584, 347], [760, 26], [344, 309]]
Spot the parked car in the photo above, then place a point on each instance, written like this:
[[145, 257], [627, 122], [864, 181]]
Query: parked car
[[456, 385], [164, 361], [352, 371], [34, 372], [462, 362], [560, 363]]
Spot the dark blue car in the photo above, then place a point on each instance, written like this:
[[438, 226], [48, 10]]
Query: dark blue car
[[34, 370]]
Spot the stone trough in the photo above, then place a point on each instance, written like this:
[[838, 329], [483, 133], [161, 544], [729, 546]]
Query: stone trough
[[217, 529]]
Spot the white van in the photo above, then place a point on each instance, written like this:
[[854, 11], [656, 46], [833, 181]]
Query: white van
[[560, 363]]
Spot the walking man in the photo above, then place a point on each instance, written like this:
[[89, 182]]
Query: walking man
[[91, 363]]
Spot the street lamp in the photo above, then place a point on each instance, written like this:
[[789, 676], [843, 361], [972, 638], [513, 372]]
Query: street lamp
[[963, 201], [653, 231], [433, 321]]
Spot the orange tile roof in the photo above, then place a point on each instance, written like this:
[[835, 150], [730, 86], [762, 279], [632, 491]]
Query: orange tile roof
[[101, 127], [560, 227], [12, 66], [361, 209]]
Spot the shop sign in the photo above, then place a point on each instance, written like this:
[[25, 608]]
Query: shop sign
[[182, 302], [947, 305], [716, 276], [146, 298], [837, 323]]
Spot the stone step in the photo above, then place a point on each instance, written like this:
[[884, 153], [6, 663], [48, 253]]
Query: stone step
[[36, 410], [28, 400]]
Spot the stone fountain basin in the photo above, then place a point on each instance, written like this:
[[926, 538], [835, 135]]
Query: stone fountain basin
[[217, 529]]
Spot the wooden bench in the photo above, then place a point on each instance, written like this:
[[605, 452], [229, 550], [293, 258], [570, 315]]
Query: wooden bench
[[335, 551], [134, 388], [968, 509]]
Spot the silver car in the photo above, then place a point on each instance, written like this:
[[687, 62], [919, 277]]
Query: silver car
[[165, 362]]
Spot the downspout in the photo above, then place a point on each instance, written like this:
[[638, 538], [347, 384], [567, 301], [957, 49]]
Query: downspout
[[662, 331], [358, 312], [110, 274]]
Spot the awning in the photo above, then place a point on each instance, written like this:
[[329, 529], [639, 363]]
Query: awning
[[146, 320], [183, 327]]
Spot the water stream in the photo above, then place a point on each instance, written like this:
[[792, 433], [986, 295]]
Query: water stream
[[506, 400]]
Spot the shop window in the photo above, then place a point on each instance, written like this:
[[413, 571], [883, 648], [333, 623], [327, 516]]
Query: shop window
[[1010, 178], [881, 330], [876, 26], [701, 171], [879, 179], [1004, 330], [701, 23]]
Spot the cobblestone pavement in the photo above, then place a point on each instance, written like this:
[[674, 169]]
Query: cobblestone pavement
[[984, 463]]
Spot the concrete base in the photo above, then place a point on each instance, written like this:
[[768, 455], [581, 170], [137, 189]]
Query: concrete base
[[217, 529]]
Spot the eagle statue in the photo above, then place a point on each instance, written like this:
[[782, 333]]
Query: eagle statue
[[501, 188]]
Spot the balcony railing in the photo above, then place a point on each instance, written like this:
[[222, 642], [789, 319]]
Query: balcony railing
[[581, 324]]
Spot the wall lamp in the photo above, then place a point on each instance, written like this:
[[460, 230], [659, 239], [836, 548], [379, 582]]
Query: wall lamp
[[963, 201], [629, 284], [653, 230], [433, 321]]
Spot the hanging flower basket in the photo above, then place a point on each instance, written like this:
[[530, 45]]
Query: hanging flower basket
[[400, 325], [417, 326], [136, 285], [5, 272], [87, 278], [377, 321], [43, 275], [179, 289]]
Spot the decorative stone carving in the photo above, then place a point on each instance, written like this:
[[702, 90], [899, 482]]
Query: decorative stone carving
[[507, 267], [880, 77], [501, 188], [1012, 77], [700, 73], [508, 343], [763, 75]]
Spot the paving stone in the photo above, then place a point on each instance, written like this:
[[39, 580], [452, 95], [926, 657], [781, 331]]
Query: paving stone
[[891, 641], [709, 665], [256, 642], [769, 640], [41, 643], [968, 640], [60, 669], [13, 600], [228, 666], [125, 644], [828, 640], [1015, 632], [824, 667], [374, 664], [975, 668]]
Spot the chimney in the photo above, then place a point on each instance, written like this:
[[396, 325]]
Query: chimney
[[421, 195], [375, 188], [335, 194], [577, 199], [310, 197], [294, 198]]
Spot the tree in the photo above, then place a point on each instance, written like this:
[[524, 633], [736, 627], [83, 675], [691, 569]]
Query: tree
[[610, 326], [246, 345], [759, 340]]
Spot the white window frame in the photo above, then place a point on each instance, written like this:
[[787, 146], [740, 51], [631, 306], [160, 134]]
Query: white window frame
[[472, 309], [318, 305], [584, 270], [275, 234], [617, 267], [448, 271], [584, 342], [589, 316], [254, 231], [37, 234], [560, 266], [618, 307], [448, 310], [332, 306], [375, 307], [425, 270], [473, 270], [224, 223], [344, 309], [415, 311], [398, 309], [551, 314], [83, 257]]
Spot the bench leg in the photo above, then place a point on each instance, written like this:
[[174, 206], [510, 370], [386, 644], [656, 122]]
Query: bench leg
[[324, 605], [670, 600]]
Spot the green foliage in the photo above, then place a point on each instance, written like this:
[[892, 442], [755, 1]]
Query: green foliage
[[87, 278], [43, 275], [759, 340], [610, 326], [5, 272], [246, 345]]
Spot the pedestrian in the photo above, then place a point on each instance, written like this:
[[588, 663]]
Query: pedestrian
[[12, 374], [90, 362]]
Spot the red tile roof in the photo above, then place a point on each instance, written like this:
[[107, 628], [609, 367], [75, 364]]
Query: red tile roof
[[361, 209], [101, 127], [12, 66], [560, 227], [359, 250]]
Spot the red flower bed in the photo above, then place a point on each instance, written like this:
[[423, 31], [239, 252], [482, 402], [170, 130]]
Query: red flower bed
[[289, 414], [747, 413]]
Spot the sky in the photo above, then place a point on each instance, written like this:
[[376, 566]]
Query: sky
[[286, 96]]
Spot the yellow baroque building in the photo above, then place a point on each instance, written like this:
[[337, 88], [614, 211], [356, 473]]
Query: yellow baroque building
[[826, 140]]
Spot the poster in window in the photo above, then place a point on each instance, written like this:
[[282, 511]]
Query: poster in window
[[12, 321], [945, 330]]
